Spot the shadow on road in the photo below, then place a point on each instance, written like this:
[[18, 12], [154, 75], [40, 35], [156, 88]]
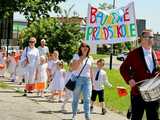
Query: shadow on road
[[66, 119], [7, 91], [46, 112]]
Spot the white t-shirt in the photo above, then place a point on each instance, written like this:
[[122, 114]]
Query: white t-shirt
[[149, 59], [1, 58], [43, 51], [52, 65], [102, 80], [87, 68]]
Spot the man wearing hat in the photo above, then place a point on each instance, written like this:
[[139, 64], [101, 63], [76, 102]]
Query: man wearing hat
[[43, 50], [141, 64]]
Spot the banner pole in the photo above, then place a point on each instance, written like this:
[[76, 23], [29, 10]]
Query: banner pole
[[111, 54]]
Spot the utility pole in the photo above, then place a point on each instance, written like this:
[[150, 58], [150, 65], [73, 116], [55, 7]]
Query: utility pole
[[111, 54]]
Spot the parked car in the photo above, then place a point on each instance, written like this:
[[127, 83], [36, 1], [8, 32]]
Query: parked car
[[122, 56]]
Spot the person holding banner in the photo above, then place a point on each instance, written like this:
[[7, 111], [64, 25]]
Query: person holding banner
[[82, 67], [141, 64]]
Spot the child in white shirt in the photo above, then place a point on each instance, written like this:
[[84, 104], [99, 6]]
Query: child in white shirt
[[99, 81], [58, 82], [12, 66], [42, 76]]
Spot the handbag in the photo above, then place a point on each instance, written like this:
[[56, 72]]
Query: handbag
[[71, 84], [23, 64]]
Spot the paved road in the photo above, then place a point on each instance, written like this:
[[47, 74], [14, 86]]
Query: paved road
[[13, 106]]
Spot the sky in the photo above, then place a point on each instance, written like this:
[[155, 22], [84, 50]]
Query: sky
[[145, 9]]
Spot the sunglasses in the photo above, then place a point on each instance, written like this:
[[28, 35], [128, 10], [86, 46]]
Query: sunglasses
[[148, 37], [83, 46], [31, 42]]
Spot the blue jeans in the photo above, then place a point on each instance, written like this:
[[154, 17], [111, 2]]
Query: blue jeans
[[84, 85]]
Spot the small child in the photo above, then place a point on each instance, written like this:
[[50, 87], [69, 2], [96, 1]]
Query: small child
[[3, 59], [50, 64], [20, 71], [12, 66], [58, 82], [41, 76], [99, 80]]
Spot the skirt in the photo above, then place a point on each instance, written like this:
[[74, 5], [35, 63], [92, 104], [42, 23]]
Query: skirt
[[30, 87], [40, 86]]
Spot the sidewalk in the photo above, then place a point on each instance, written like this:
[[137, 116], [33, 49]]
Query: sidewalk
[[13, 106]]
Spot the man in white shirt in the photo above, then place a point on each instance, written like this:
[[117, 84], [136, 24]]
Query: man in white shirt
[[43, 50], [141, 64]]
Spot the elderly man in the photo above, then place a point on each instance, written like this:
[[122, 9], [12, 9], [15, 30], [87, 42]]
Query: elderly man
[[141, 64], [43, 50]]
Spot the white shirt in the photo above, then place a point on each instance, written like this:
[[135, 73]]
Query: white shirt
[[52, 65], [43, 50], [30, 69], [87, 68], [33, 56], [42, 73], [1, 58], [102, 80], [149, 59]]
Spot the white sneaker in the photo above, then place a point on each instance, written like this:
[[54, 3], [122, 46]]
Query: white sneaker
[[63, 109], [74, 117]]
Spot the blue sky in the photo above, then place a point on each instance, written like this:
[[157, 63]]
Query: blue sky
[[145, 9]]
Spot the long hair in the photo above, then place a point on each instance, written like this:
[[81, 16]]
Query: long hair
[[80, 51]]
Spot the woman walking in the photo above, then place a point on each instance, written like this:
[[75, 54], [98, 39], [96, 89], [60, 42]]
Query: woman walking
[[82, 62], [30, 61]]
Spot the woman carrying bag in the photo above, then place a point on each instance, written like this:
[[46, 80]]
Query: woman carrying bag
[[82, 67]]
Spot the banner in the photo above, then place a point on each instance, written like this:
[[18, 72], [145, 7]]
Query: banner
[[116, 26]]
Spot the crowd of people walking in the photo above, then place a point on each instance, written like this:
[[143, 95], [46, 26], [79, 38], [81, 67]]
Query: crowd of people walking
[[43, 71]]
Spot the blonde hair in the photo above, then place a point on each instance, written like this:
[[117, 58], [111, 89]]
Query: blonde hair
[[43, 58], [43, 40], [56, 52], [33, 38]]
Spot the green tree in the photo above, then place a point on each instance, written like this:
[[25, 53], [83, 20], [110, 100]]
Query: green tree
[[64, 37], [105, 6], [31, 9]]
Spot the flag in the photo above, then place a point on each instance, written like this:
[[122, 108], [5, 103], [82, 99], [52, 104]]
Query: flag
[[122, 91]]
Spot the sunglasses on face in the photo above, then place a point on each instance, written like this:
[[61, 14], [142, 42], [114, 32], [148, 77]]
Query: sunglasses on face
[[31, 42], [149, 37], [83, 46]]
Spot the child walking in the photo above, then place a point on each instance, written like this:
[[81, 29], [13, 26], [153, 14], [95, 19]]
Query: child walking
[[99, 80], [53, 58], [58, 82], [42, 76], [12, 66]]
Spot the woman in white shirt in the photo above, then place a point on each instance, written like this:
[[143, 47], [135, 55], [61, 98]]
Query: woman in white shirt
[[83, 83], [30, 59]]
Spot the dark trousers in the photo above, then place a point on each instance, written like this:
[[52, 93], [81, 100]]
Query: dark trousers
[[139, 105], [100, 94]]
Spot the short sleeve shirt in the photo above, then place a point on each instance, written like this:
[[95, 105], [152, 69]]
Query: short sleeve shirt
[[87, 68]]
